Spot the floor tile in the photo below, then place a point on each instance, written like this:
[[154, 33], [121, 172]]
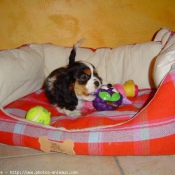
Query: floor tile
[[61, 163], [7, 151], [153, 165]]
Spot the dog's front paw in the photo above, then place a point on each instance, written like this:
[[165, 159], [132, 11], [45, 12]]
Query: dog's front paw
[[74, 113]]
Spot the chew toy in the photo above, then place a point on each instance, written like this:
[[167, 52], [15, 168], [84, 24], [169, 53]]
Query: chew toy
[[38, 114], [107, 98], [129, 89], [48, 146]]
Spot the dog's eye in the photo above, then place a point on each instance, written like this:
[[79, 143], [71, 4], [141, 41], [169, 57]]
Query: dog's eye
[[84, 77]]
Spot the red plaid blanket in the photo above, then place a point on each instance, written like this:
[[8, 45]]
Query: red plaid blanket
[[90, 117], [147, 127]]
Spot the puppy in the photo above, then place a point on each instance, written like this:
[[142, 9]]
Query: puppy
[[67, 86]]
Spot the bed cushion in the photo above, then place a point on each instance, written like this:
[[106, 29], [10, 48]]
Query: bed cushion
[[165, 59], [115, 65], [137, 64], [162, 36], [21, 73]]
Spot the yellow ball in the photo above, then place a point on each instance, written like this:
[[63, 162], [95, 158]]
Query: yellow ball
[[38, 114]]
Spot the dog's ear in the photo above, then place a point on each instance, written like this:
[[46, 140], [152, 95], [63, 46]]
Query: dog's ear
[[64, 92], [73, 51]]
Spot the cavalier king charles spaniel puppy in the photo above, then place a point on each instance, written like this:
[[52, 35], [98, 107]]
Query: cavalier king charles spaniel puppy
[[68, 86]]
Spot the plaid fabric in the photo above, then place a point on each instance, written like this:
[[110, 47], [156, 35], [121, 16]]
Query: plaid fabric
[[147, 127]]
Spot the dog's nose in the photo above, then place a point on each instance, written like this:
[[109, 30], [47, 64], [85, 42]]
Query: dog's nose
[[96, 83], [109, 85]]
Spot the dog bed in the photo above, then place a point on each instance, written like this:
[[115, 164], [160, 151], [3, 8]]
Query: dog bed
[[145, 127]]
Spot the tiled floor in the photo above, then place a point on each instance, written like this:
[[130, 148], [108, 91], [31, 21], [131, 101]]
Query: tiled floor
[[19, 160]]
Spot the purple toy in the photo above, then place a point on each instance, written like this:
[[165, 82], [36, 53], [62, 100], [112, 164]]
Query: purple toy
[[107, 98]]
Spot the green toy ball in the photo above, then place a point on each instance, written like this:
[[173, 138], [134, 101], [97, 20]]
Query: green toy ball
[[39, 114]]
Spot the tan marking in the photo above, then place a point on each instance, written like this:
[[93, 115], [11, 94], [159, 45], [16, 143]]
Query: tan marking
[[80, 90], [87, 71], [95, 71]]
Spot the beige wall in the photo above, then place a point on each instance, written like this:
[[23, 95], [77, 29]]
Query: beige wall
[[102, 22]]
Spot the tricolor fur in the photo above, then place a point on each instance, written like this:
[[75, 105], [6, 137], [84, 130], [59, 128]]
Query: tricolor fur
[[65, 87]]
